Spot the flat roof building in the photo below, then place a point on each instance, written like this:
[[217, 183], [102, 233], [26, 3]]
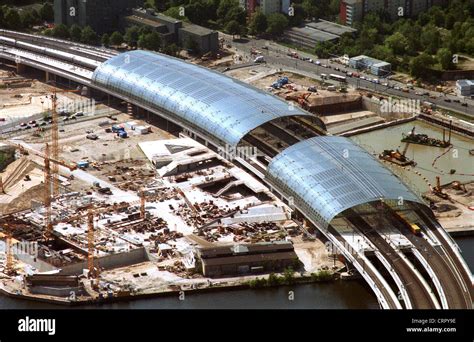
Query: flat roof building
[[376, 66], [311, 33], [465, 87], [247, 259], [175, 31]]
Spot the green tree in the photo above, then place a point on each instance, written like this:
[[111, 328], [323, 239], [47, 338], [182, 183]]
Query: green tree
[[368, 38], [311, 9], [116, 39], [150, 41], [445, 58], [273, 280], [75, 32], [105, 40], [323, 49], [398, 43], [132, 35], [171, 50], [225, 6], [199, 12], [423, 19], [60, 31], [276, 23], [258, 23], [174, 12], [89, 36], [430, 39], [288, 276], [334, 7], [233, 28], [238, 14], [27, 19], [420, 64], [2, 16], [47, 12], [12, 19], [437, 16], [449, 21]]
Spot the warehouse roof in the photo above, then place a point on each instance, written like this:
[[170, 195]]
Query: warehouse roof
[[220, 107], [255, 248], [327, 175]]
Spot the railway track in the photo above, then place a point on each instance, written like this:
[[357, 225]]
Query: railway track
[[418, 293], [386, 292], [99, 54], [457, 293]]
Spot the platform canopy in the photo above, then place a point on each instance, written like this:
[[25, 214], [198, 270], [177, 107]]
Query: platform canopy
[[327, 175], [219, 106]]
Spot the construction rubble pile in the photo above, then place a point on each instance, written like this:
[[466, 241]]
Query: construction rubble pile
[[202, 213], [245, 232]]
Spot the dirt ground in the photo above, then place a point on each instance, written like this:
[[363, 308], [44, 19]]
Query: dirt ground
[[455, 213]]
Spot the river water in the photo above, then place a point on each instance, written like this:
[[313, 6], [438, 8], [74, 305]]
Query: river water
[[457, 158]]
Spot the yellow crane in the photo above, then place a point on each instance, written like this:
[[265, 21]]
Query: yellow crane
[[55, 138], [7, 230], [91, 213]]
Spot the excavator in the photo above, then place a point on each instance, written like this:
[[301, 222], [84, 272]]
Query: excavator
[[397, 157]]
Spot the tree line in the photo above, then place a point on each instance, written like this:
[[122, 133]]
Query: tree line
[[414, 45], [13, 19], [229, 16]]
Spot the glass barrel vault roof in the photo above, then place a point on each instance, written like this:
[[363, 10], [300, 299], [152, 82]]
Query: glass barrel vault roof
[[220, 106], [327, 175]]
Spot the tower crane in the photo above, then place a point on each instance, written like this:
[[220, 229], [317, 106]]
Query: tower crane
[[9, 270], [8, 226], [55, 138], [91, 213]]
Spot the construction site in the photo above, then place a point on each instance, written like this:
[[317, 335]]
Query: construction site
[[341, 110], [143, 174], [89, 210]]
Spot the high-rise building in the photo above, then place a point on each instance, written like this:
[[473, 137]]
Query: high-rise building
[[101, 15], [352, 11]]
